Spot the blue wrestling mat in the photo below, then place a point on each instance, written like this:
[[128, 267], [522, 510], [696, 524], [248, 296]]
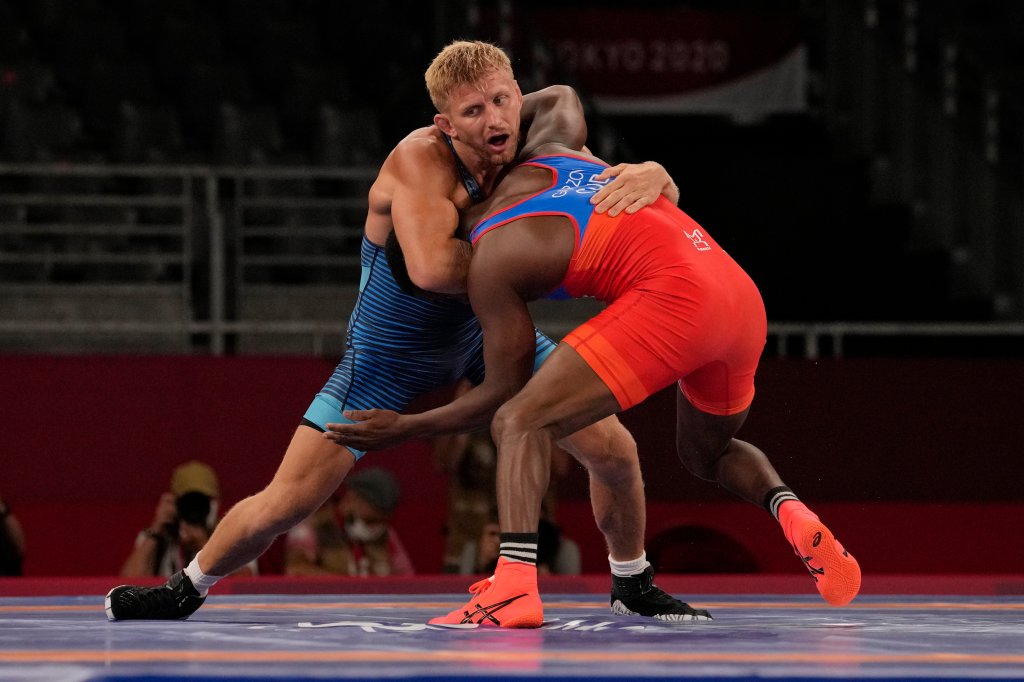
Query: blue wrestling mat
[[385, 637]]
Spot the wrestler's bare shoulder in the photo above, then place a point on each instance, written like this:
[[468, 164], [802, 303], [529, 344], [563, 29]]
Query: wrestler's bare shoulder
[[422, 161], [423, 145], [422, 149]]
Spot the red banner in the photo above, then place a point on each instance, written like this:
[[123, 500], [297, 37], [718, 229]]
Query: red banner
[[743, 63]]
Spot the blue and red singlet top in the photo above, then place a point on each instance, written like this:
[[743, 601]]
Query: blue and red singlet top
[[610, 254], [679, 308]]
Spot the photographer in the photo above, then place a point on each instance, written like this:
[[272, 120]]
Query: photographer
[[182, 523]]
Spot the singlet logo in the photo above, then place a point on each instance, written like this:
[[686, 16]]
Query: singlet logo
[[697, 237], [578, 184]]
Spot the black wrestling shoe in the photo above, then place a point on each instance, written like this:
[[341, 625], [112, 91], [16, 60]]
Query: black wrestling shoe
[[637, 595], [177, 599]]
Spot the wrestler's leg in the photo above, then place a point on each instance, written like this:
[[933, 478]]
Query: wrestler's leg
[[706, 446], [523, 429], [564, 396], [311, 470], [608, 452], [312, 467]]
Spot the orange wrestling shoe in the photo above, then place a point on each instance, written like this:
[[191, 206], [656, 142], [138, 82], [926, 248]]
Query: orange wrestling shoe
[[508, 599], [835, 572]]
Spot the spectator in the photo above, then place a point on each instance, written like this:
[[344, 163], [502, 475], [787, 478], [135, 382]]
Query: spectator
[[12, 541], [556, 554], [351, 533], [481, 557], [184, 518]]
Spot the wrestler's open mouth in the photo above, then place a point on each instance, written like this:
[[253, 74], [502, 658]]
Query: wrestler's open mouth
[[498, 142]]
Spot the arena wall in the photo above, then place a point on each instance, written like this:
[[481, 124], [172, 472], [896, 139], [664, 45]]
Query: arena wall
[[914, 462]]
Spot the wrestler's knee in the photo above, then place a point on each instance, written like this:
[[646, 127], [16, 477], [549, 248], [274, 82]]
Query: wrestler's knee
[[605, 448], [700, 456], [513, 419], [277, 508], [702, 439]]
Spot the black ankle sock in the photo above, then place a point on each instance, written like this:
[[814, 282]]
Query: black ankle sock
[[520, 547], [775, 497]]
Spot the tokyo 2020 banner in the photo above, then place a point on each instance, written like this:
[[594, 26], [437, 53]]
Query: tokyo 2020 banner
[[745, 64]]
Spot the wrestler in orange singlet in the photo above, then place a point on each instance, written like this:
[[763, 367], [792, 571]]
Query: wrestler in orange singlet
[[680, 308]]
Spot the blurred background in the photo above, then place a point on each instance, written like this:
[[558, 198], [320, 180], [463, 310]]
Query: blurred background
[[182, 193]]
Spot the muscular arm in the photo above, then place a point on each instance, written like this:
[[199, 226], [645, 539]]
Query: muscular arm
[[509, 349], [426, 220], [509, 353], [552, 115], [555, 115]]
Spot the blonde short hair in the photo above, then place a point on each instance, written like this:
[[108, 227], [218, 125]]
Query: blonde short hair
[[461, 63]]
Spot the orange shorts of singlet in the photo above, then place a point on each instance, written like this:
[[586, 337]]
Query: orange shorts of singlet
[[708, 336]]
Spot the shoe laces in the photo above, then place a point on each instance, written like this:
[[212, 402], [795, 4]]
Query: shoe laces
[[481, 585], [156, 599]]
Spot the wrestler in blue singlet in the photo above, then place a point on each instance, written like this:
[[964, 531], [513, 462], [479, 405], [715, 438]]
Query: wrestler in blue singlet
[[399, 346]]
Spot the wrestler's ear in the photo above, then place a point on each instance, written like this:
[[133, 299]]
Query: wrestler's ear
[[445, 125]]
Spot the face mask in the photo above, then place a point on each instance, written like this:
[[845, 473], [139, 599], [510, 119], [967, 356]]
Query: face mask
[[360, 531], [211, 518]]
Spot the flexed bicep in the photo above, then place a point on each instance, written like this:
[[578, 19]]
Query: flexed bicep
[[426, 223], [553, 115]]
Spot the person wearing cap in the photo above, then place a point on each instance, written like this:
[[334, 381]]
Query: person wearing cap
[[351, 533], [182, 522]]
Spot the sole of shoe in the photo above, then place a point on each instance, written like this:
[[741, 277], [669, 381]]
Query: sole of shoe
[[841, 580], [620, 609], [524, 620]]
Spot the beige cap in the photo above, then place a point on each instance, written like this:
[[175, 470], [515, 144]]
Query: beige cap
[[378, 487], [194, 477]]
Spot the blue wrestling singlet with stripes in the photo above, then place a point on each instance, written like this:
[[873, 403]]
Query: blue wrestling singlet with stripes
[[399, 346]]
